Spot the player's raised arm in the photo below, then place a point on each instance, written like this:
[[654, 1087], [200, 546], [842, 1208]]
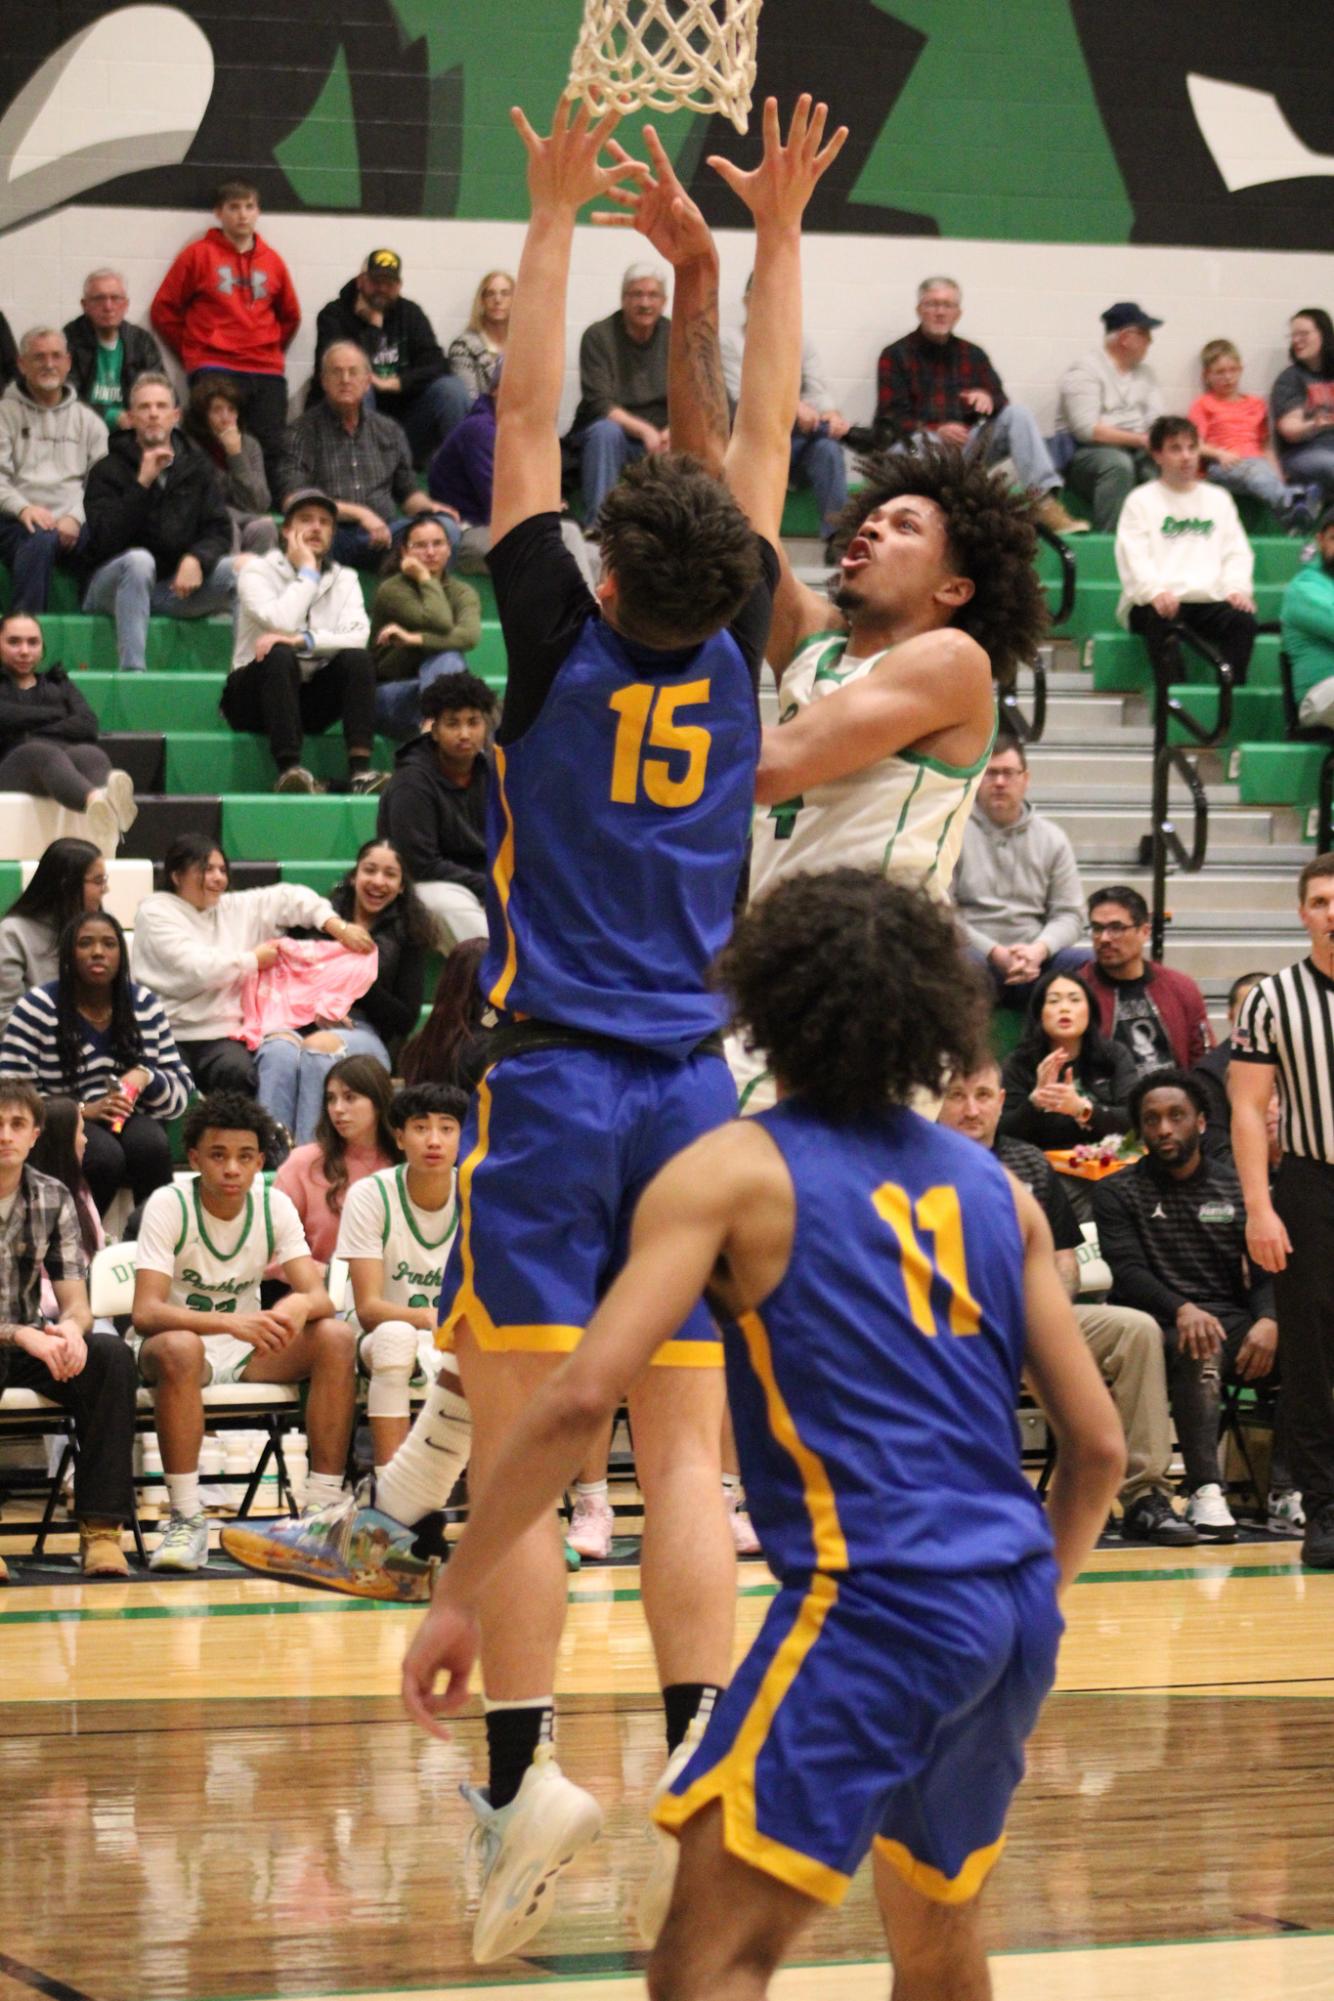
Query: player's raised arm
[[1091, 1456], [563, 174]]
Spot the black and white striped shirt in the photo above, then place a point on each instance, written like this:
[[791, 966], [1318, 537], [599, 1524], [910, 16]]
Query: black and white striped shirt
[[1288, 1020]]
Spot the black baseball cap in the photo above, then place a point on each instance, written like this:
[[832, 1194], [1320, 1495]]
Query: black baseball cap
[[1125, 313], [384, 264], [309, 496]]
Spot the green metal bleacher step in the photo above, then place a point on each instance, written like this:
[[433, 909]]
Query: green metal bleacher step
[[1121, 665], [295, 828], [221, 761], [1257, 713], [1279, 774]]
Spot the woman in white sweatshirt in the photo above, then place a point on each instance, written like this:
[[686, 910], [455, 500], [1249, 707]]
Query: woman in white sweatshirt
[[195, 942]]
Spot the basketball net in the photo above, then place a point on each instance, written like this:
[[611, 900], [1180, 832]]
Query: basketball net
[[667, 55]]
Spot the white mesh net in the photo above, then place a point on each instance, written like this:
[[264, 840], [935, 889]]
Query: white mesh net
[[667, 55]]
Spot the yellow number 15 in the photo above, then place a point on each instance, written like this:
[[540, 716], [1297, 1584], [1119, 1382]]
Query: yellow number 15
[[937, 1215], [642, 707]]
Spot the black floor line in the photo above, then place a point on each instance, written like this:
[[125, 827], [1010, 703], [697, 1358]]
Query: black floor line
[[41, 1983]]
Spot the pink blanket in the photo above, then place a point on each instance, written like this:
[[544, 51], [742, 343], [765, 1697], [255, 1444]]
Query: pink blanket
[[311, 980]]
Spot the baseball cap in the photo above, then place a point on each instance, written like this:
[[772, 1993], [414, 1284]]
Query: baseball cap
[[309, 496], [1125, 313], [384, 264]]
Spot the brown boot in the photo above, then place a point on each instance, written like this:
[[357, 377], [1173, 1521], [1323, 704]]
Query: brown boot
[[1052, 515], [100, 1553]]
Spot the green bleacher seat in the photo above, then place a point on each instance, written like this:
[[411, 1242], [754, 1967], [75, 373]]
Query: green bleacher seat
[[11, 882], [1257, 713], [1096, 601], [319, 875], [260, 826], [220, 760], [64, 595], [155, 701], [175, 645], [1280, 774], [1121, 666]]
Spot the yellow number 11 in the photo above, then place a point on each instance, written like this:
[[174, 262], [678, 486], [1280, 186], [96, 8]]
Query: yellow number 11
[[630, 767], [937, 1215]]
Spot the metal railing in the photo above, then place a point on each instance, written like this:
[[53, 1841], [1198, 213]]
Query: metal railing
[[1164, 843], [1028, 727]]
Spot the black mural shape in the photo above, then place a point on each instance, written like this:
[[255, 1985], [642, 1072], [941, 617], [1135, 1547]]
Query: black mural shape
[[860, 75], [272, 59], [1139, 53]]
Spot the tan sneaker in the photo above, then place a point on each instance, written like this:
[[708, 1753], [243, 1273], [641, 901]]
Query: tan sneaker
[[100, 1553], [1052, 515]]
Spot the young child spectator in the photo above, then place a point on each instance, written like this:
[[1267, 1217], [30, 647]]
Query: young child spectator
[[228, 303], [475, 353], [213, 423], [300, 661], [450, 1046], [1182, 554], [1235, 445], [70, 878], [107, 351], [48, 738], [434, 807], [196, 941], [395, 1235], [353, 1139], [159, 534], [49, 443], [1301, 401], [422, 624], [96, 1035], [203, 1252]]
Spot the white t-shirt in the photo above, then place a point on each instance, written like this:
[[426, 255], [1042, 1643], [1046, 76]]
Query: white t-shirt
[[381, 1221], [215, 1266]]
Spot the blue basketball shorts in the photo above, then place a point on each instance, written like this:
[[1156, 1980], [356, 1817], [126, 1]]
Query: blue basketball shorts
[[558, 1147], [879, 1710]]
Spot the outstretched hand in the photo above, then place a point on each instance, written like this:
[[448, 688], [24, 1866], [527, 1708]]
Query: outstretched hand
[[659, 208], [777, 191], [563, 170]]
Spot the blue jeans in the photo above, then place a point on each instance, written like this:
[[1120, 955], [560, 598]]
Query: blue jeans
[[352, 544], [1258, 478], [1311, 463], [398, 704], [291, 1077], [604, 452], [430, 415], [1015, 435], [817, 462], [31, 559], [128, 589]]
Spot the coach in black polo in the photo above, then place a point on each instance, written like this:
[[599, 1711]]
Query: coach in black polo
[[1286, 1027]]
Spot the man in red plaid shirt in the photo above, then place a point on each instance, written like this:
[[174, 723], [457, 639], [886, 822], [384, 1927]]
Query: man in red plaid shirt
[[933, 382]]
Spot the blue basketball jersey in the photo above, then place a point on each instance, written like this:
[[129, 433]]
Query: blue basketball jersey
[[874, 1391], [616, 836]]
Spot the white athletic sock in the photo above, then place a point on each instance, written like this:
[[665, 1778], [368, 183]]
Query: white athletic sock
[[183, 1492], [591, 1490], [731, 1483], [420, 1477], [323, 1489]]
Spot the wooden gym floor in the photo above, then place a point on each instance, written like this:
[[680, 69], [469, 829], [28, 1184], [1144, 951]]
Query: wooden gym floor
[[209, 1794]]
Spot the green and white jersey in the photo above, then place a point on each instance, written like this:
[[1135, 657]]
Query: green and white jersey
[[903, 816], [381, 1221], [216, 1266]]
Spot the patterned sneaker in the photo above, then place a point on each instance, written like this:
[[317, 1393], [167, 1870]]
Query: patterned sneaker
[[1209, 1514], [656, 1894], [100, 1553], [1285, 1514], [1152, 1518], [184, 1544], [368, 783], [744, 1539], [592, 1525], [297, 779], [522, 1849], [351, 1547]]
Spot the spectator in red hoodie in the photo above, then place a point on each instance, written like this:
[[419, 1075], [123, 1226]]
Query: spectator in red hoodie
[[1155, 1012], [228, 303]]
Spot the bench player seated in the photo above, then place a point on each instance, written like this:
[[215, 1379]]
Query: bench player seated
[[395, 1234], [885, 1703], [204, 1247]]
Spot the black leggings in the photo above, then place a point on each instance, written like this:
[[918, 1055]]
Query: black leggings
[[137, 1157], [65, 772]]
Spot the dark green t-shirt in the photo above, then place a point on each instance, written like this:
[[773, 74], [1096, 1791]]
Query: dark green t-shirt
[[105, 392]]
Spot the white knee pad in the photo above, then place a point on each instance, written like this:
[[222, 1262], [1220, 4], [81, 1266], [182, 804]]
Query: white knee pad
[[390, 1351]]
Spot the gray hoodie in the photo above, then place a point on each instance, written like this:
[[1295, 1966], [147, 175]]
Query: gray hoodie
[[1018, 885], [46, 453]]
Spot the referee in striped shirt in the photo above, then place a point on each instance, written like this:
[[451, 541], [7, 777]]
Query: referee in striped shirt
[[1286, 1030]]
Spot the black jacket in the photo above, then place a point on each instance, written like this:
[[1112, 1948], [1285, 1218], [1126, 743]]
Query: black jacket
[[9, 354], [406, 327], [54, 708], [1108, 1087], [438, 828], [1170, 1241], [392, 1005], [141, 353], [182, 514]]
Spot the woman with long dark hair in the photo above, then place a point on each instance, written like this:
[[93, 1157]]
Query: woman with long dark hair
[[213, 422], [1301, 401], [450, 1047], [61, 1147], [48, 737], [96, 1035], [70, 878], [1065, 1082], [376, 896], [353, 1139]]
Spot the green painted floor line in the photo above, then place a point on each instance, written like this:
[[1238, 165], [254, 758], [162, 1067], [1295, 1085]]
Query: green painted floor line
[[627, 1594]]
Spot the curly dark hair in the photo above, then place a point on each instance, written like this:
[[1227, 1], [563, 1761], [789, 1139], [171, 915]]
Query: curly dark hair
[[124, 1036], [683, 555], [991, 538], [856, 989], [1169, 1078], [228, 1112], [449, 693]]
